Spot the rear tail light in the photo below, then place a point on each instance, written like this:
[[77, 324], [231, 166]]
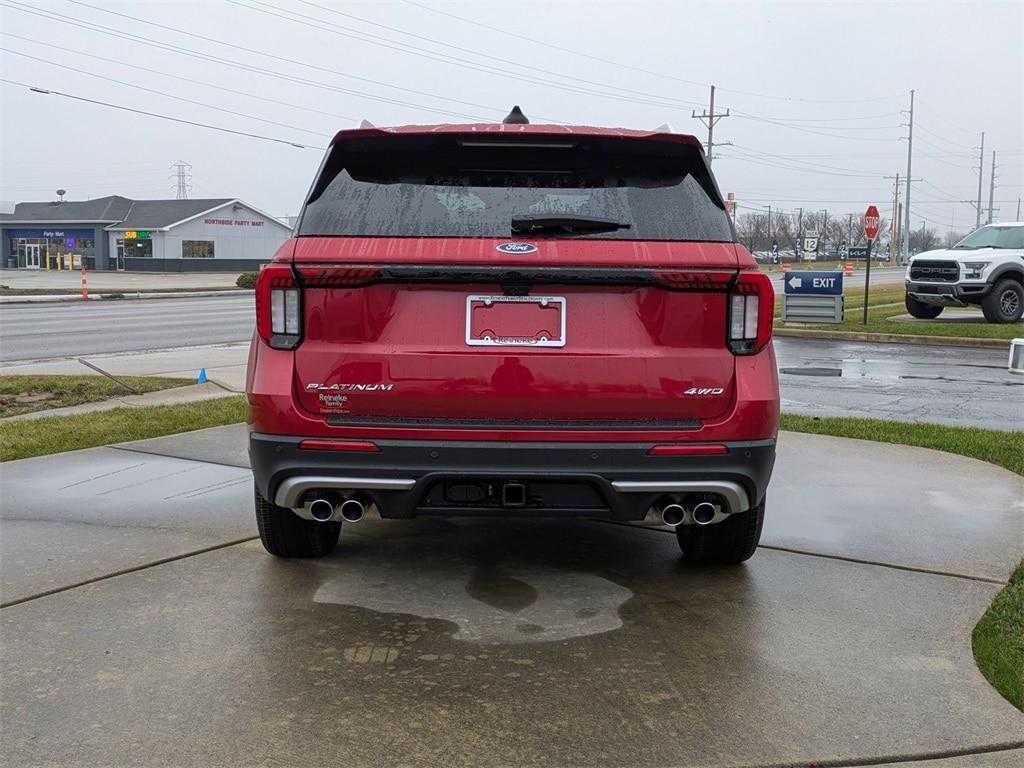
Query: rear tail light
[[694, 280], [278, 307], [751, 313]]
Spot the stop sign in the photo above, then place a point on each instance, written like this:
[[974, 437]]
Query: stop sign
[[871, 222]]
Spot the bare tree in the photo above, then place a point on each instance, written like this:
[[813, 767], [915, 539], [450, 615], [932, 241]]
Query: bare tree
[[923, 239], [952, 238]]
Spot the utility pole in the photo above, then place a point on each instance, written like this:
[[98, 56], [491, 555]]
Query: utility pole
[[183, 179], [991, 186], [906, 197], [709, 118], [800, 235], [824, 235], [894, 226], [981, 173]]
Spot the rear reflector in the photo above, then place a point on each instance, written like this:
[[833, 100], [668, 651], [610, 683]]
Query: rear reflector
[[688, 450], [336, 276], [695, 280], [349, 446]]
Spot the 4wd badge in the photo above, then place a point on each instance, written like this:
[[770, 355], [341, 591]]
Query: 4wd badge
[[516, 248]]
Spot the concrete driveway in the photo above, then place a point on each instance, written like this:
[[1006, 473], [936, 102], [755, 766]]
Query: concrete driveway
[[844, 640]]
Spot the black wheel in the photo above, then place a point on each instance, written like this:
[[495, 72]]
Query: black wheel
[[921, 310], [729, 542], [285, 534], [1004, 303]]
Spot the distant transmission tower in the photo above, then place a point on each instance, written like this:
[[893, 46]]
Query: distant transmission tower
[[183, 177]]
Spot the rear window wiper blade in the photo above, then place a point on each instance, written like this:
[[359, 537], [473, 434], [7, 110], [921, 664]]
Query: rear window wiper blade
[[569, 224]]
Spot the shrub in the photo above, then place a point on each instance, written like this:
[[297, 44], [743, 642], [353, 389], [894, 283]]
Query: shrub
[[246, 280]]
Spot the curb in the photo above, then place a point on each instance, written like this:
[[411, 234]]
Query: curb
[[894, 338], [122, 296]]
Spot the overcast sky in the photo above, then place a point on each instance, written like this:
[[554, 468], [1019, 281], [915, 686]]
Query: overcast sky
[[816, 90]]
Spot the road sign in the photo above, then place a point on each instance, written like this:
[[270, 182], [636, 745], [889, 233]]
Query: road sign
[[811, 244], [807, 283], [871, 222]]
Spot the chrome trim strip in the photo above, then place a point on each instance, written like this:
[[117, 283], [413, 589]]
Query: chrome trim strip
[[291, 489], [733, 493]]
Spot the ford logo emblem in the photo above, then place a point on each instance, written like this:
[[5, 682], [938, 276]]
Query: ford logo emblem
[[516, 248]]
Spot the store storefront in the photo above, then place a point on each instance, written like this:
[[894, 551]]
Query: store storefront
[[51, 248], [117, 233]]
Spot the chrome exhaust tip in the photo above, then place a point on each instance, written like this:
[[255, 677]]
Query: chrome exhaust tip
[[352, 510], [704, 513], [672, 515], [321, 510]]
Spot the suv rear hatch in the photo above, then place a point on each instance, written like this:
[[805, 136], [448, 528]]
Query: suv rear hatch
[[516, 279]]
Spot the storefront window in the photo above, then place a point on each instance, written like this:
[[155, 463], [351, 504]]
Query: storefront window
[[197, 249], [135, 249]]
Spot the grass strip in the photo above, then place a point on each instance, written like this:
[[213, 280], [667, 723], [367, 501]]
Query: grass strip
[[879, 322], [54, 434], [27, 394], [998, 641], [1004, 449]]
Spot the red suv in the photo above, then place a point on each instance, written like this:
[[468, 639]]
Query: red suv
[[513, 319]]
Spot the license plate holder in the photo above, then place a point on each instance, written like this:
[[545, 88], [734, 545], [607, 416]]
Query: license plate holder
[[515, 321]]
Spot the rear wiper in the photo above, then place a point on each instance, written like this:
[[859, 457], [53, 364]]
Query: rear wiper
[[568, 224]]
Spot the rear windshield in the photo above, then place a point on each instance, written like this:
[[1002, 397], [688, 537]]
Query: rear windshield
[[445, 186]]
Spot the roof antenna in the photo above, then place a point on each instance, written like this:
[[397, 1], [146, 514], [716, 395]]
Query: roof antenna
[[516, 117], [366, 124]]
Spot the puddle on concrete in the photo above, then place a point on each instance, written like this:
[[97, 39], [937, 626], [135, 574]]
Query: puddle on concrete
[[504, 604]]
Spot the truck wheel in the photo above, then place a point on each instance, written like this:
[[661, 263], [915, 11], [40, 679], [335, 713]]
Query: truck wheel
[[1004, 303], [285, 534], [726, 543], [921, 310]]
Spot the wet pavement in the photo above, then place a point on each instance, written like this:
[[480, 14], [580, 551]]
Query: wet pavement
[[961, 386], [846, 638]]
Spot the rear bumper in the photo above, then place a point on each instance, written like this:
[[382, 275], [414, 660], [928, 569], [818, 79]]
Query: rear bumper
[[947, 294], [615, 481]]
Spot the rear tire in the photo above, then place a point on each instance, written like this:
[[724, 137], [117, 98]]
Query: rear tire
[[729, 542], [285, 534], [1004, 303], [921, 310]]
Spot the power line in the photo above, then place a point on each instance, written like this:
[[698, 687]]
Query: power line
[[655, 73], [182, 50], [140, 68], [488, 55], [51, 92], [395, 45], [161, 93]]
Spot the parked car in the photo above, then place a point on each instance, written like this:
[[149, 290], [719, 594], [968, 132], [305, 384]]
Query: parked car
[[527, 320], [984, 269]]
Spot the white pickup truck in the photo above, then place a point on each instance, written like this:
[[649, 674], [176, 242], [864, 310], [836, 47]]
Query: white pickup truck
[[986, 269]]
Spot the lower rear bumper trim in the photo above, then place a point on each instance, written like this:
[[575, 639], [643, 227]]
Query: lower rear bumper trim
[[291, 489], [733, 493]]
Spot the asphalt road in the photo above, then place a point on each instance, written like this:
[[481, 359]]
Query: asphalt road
[[938, 385], [40, 331], [879, 276]]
